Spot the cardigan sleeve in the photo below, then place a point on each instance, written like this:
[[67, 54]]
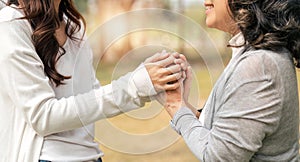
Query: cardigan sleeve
[[250, 110], [24, 80]]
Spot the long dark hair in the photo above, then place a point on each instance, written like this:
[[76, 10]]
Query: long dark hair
[[269, 24], [44, 21]]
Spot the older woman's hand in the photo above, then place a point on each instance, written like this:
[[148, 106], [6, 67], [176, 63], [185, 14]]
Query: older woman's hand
[[175, 99]]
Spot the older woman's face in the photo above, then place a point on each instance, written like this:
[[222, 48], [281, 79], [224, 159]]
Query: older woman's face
[[218, 16]]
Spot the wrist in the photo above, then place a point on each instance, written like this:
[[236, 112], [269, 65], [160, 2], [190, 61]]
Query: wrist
[[172, 108], [196, 111], [142, 82]]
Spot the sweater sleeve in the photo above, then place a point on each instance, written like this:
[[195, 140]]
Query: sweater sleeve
[[249, 111], [23, 78]]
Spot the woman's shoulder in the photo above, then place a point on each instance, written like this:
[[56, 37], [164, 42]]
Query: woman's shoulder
[[10, 13], [263, 57], [10, 21], [263, 63], [15, 33]]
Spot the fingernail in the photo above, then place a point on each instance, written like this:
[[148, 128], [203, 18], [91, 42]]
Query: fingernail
[[177, 61], [175, 54]]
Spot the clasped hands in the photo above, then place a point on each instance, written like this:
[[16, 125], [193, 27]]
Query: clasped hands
[[171, 77]]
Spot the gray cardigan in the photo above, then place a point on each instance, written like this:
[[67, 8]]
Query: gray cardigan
[[252, 113]]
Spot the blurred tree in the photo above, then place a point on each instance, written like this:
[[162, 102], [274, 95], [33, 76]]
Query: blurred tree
[[166, 4], [126, 5], [81, 5]]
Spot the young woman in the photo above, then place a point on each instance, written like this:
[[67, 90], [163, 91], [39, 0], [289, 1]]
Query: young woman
[[49, 95], [252, 113]]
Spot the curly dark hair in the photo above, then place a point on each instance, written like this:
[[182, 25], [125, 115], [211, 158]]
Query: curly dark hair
[[44, 21], [269, 24]]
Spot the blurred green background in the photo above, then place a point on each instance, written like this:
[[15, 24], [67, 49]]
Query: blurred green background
[[125, 53]]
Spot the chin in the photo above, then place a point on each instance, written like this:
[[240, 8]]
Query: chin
[[214, 26], [209, 24]]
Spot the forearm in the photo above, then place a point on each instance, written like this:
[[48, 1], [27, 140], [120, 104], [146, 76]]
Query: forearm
[[212, 144], [209, 144], [195, 135], [46, 114], [35, 98]]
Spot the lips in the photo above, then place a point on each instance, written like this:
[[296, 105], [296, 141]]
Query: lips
[[208, 7]]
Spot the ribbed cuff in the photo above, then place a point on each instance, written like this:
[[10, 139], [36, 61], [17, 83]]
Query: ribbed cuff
[[181, 119]]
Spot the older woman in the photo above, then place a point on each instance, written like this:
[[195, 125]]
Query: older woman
[[252, 113]]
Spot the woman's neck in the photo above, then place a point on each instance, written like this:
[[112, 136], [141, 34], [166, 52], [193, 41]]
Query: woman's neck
[[234, 32]]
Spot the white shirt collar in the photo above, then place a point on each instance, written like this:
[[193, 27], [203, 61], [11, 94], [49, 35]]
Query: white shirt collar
[[237, 40]]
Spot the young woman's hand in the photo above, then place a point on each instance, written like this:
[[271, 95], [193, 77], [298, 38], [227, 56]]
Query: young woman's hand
[[165, 70], [161, 97]]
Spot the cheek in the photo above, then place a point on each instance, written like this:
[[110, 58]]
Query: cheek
[[223, 19], [219, 17], [214, 20]]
